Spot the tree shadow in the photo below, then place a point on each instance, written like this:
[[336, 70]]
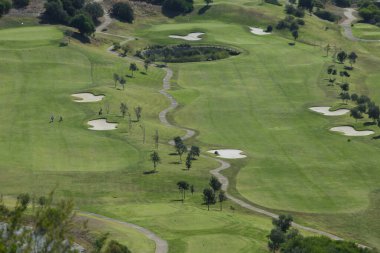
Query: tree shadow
[[204, 9], [175, 163], [291, 44], [176, 200], [150, 172], [81, 38], [174, 153], [143, 73], [376, 137], [369, 123]]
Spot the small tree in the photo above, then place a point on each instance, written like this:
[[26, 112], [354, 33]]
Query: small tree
[[284, 222], [341, 56], [345, 87], [222, 197], [123, 109], [354, 97], [155, 158], [146, 65], [183, 186], [123, 11], [189, 160], [209, 197], [344, 96], [133, 67], [352, 58], [156, 138], [192, 189], [180, 147], [373, 112], [215, 184], [115, 247], [295, 35], [138, 111], [95, 10], [116, 78]]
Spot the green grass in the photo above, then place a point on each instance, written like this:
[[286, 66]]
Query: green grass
[[366, 31]]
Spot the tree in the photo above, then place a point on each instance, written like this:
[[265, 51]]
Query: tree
[[123, 11], [138, 111], [123, 109], [222, 197], [284, 222], [209, 197], [133, 67], [100, 242], [354, 97], [180, 147], [215, 184], [155, 158], [115, 247], [276, 238], [95, 10], [20, 3], [344, 87], [194, 151], [55, 13], [344, 96], [363, 99], [362, 108], [295, 35], [373, 112], [156, 138], [189, 161], [183, 186], [192, 189], [122, 82], [208, 2], [125, 48], [341, 56], [352, 58], [355, 113], [306, 4], [83, 23], [175, 7]]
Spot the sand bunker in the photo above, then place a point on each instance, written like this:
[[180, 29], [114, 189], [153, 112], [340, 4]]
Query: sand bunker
[[325, 110], [228, 153], [87, 97], [258, 31], [189, 37], [101, 125], [350, 131]]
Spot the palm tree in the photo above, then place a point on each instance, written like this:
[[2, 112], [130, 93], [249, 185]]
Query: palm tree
[[155, 158]]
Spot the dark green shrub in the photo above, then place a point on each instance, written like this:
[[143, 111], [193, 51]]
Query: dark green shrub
[[123, 11], [175, 7], [326, 15]]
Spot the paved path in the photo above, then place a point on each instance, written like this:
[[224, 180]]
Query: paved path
[[161, 245], [347, 29]]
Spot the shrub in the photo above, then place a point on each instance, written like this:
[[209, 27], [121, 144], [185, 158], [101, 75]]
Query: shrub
[[20, 3], [83, 23], [5, 6], [326, 15], [291, 10], [269, 29], [123, 11], [116, 247]]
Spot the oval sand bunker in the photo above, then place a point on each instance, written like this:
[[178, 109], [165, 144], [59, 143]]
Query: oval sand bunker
[[228, 153], [189, 37], [101, 125], [350, 131], [258, 31], [325, 110], [87, 97]]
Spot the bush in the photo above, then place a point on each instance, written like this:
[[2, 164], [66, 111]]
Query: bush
[[123, 11], [177, 6], [342, 3], [20, 3], [326, 15], [5, 6], [115, 247], [291, 10], [269, 29]]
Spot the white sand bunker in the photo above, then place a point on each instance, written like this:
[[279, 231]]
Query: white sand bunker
[[189, 37], [350, 131], [101, 125], [87, 97], [228, 153], [258, 31], [325, 110]]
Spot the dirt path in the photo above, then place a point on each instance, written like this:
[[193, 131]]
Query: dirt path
[[161, 245], [346, 24]]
